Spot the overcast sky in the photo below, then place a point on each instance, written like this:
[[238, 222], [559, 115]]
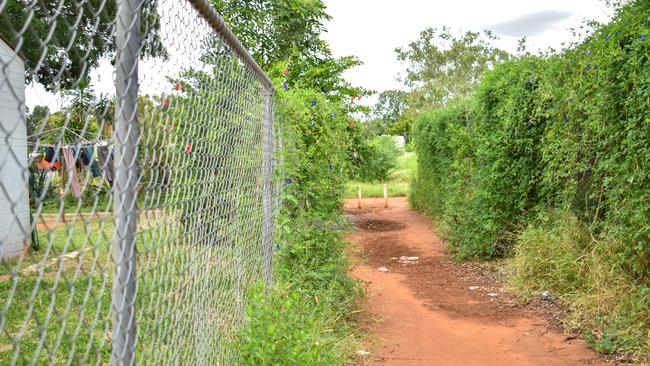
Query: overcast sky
[[372, 29]]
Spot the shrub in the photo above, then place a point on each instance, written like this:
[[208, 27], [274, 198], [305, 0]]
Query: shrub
[[304, 319], [379, 161], [565, 133]]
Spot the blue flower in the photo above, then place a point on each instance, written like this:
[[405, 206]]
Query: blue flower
[[333, 115], [277, 246], [607, 37], [331, 166], [284, 85], [287, 181], [642, 37], [313, 103], [588, 67]]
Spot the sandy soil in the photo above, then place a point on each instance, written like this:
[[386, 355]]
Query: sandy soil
[[433, 311]]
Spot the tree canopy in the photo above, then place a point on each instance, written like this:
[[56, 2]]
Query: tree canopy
[[62, 40], [443, 67], [287, 34]]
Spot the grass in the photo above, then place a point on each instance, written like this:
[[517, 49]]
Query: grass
[[610, 308], [398, 185], [56, 309], [62, 315]]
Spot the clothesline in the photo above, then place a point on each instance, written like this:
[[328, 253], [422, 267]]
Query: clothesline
[[88, 144], [85, 142]]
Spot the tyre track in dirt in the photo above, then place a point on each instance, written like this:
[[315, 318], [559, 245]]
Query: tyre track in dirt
[[434, 311]]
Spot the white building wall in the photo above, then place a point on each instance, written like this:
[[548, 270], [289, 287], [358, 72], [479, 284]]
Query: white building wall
[[14, 174]]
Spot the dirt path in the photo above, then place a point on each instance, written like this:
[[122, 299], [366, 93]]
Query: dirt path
[[432, 311]]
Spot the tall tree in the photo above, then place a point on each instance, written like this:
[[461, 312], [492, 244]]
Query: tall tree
[[443, 67], [388, 110], [36, 118], [287, 33], [62, 40]]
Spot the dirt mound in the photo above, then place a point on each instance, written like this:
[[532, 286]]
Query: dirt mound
[[379, 225]]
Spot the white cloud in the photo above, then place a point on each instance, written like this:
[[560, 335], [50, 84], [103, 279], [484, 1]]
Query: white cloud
[[532, 24], [372, 29]]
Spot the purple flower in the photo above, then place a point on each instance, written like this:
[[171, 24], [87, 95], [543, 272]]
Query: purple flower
[[284, 85], [333, 115], [607, 37], [313, 103], [588, 67], [277, 246], [331, 166], [287, 181]]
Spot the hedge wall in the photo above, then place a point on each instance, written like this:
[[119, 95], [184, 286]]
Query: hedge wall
[[566, 131]]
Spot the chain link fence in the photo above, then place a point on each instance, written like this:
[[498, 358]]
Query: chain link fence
[[137, 193]]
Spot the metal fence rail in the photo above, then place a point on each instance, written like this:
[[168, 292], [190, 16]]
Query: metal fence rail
[[136, 182]]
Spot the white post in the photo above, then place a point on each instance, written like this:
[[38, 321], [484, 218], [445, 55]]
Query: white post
[[385, 195], [359, 196]]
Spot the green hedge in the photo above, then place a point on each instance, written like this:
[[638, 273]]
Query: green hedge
[[550, 161], [561, 131], [306, 317]]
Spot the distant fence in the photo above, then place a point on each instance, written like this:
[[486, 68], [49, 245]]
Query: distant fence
[[137, 195]]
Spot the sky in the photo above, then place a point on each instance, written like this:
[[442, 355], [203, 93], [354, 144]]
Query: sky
[[372, 29]]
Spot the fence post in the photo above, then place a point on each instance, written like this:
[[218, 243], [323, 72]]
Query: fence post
[[125, 140], [359, 196], [385, 195], [267, 192]]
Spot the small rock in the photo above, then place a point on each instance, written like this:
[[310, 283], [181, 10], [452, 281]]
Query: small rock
[[363, 353], [546, 296], [492, 294], [472, 288], [407, 259], [382, 269]]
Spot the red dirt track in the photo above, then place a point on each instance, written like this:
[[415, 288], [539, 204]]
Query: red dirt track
[[423, 312]]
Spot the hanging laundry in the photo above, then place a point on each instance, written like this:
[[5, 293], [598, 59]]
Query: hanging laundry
[[88, 161], [49, 162], [49, 154], [106, 163], [71, 169]]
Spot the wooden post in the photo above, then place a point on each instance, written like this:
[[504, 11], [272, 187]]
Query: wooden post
[[359, 196], [385, 195]]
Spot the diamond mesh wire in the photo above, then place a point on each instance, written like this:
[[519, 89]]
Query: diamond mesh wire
[[131, 223]]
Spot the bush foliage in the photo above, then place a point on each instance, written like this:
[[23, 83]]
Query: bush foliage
[[569, 130], [566, 132], [379, 161], [305, 318]]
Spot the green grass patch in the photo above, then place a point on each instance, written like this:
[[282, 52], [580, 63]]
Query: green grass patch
[[608, 306], [398, 184], [307, 317]]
